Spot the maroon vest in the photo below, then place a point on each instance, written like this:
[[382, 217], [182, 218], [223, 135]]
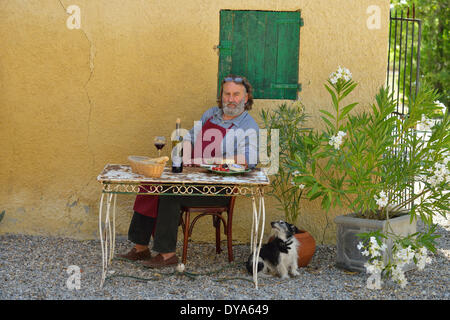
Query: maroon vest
[[148, 205]]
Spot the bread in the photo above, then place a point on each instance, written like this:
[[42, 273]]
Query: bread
[[156, 160]]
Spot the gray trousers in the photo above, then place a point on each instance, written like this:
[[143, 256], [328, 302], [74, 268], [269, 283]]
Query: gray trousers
[[141, 229], [169, 212]]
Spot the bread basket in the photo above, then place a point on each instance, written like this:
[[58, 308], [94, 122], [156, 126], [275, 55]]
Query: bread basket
[[149, 167]]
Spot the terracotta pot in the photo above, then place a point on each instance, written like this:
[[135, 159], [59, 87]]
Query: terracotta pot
[[306, 249]]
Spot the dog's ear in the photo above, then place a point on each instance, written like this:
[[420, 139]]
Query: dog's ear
[[293, 229], [284, 246]]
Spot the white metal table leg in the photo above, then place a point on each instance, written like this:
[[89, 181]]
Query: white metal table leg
[[255, 247], [107, 235], [101, 239], [113, 239]]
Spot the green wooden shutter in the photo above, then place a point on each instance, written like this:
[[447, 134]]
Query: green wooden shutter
[[225, 48], [264, 47]]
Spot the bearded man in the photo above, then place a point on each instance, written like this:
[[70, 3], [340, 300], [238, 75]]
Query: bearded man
[[226, 130]]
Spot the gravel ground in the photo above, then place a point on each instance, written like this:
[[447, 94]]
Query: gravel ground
[[35, 268]]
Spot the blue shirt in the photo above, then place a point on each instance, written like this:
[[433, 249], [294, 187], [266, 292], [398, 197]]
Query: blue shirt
[[241, 138]]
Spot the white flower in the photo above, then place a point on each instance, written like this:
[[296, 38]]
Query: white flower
[[400, 257], [340, 73], [440, 173], [374, 243], [370, 268], [336, 140], [399, 276], [446, 160], [373, 249], [301, 186], [180, 267], [375, 266], [422, 258], [425, 124], [333, 79], [374, 252], [441, 105], [382, 200], [346, 74], [404, 256]]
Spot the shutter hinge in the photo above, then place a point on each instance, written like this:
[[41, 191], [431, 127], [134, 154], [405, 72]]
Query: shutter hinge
[[299, 20], [224, 44], [224, 48], [297, 86]]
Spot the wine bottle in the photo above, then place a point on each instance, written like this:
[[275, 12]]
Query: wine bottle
[[177, 149]]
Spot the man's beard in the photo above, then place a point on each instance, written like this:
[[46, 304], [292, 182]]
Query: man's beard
[[237, 110]]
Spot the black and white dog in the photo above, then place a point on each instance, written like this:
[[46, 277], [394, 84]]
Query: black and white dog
[[280, 254]]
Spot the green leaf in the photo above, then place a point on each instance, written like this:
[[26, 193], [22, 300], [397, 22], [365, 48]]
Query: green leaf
[[315, 196], [348, 90], [333, 97], [326, 202], [328, 122], [313, 189], [329, 164], [346, 110], [327, 113]]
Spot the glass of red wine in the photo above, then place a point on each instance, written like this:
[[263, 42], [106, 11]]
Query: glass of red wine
[[160, 142]]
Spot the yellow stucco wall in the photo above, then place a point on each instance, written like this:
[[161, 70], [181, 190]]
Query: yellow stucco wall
[[73, 100]]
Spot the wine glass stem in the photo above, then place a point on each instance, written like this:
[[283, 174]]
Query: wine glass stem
[[159, 152]]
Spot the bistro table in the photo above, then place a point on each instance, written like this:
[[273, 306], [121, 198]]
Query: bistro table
[[195, 181]]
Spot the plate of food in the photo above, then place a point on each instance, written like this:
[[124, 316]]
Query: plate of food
[[229, 169]]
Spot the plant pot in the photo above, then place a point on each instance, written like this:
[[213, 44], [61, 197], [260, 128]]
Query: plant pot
[[348, 226], [306, 249]]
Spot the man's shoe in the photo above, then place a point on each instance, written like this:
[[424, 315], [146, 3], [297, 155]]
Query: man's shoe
[[133, 255], [159, 262]]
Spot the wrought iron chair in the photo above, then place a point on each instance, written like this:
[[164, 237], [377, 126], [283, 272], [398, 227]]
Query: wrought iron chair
[[217, 217]]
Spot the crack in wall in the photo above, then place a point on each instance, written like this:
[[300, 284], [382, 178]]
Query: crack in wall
[[92, 53], [91, 68]]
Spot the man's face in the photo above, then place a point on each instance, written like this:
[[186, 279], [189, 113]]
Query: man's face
[[234, 98]]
